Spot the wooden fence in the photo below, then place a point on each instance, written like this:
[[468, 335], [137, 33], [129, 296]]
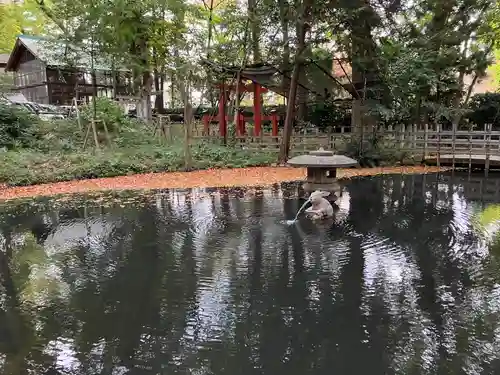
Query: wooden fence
[[425, 142]]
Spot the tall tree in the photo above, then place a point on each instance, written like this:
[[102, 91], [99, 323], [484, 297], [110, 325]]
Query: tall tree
[[15, 19]]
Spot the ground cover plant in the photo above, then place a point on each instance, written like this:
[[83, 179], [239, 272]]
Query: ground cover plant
[[34, 151]]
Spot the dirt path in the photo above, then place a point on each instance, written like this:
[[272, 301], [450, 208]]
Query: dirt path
[[207, 178]]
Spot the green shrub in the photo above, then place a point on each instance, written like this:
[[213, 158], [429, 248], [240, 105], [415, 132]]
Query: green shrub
[[16, 127], [328, 114], [485, 110], [374, 152], [57, 135], [108, 111], [27, 167]]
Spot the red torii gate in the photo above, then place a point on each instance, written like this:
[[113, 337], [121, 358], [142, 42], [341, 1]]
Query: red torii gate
[[257, 90]]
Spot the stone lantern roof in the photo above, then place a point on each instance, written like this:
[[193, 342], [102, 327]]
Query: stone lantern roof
[[322, 159]]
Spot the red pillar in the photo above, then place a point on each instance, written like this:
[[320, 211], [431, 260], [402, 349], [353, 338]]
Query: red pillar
[[222, 112], [239, 125], [257, 115], [206, 124], [242, 123], [274, 121]]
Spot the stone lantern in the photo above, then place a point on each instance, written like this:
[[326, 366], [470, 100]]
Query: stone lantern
[[322, 170]]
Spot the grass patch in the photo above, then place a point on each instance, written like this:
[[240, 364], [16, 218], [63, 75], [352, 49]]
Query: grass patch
[[53, 152], [34, 152]]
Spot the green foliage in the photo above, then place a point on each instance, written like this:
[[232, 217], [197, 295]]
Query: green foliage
[[6, 82], [108, 111], [329, 114], [17, 19], [55, 154], [495, 70], [485, 110], [15, 127], [373, 152], [29, 167]]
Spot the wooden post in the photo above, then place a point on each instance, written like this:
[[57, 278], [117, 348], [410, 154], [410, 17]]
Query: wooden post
[[237, 124], [222, 112], [274, 121], [414, 146], [87, 134], [106, 132], [77, 111], [206, 124], [426, 139], [94, 131], [167, 131], [487, 156], [402, 136], [470, 149], [257, 112], [453, 146], [168, 125], [236, 114], [438, 130], [242, 124]]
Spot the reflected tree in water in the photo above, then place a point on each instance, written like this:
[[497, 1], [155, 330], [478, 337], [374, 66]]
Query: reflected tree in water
[[399, 286]]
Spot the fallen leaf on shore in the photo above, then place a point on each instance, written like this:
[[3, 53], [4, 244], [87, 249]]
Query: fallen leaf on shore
[[246, 177]]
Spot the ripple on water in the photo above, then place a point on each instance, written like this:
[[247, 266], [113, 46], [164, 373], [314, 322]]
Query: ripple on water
[[385, 263], [215, 283], [460, 229]]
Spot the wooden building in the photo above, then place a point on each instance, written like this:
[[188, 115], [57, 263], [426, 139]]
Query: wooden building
[[52, 72], [3, 60]]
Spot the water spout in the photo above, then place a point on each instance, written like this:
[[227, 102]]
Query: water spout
[[291, 222]]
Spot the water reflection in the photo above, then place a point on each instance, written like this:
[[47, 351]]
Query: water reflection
[[212, 282]]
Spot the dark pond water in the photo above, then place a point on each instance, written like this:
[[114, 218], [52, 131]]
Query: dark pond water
[[405, 280]]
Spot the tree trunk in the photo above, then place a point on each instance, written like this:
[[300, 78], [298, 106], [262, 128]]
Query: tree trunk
[[255, 30], [172, 90], [144, 111], [364, 68], [302, 91], [188, 116], [302, 96], [158, 91], [285, 64], [418, 110], [288, 126], [94, 95], [211, 95]]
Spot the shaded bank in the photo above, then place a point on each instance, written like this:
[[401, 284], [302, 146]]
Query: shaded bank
[[257, 176]]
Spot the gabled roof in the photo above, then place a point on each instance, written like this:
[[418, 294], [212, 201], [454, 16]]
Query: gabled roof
[[55, 53]]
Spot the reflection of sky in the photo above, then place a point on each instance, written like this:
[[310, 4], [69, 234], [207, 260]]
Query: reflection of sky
[[382, 256], [214, 295], [92, 231], [62, 350]]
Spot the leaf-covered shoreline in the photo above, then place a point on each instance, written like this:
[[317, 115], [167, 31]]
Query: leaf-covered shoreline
[[257, 176]]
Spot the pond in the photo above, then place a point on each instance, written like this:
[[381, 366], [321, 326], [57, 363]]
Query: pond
[[404, 280]]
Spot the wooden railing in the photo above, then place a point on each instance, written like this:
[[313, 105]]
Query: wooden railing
[[425, 141]]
